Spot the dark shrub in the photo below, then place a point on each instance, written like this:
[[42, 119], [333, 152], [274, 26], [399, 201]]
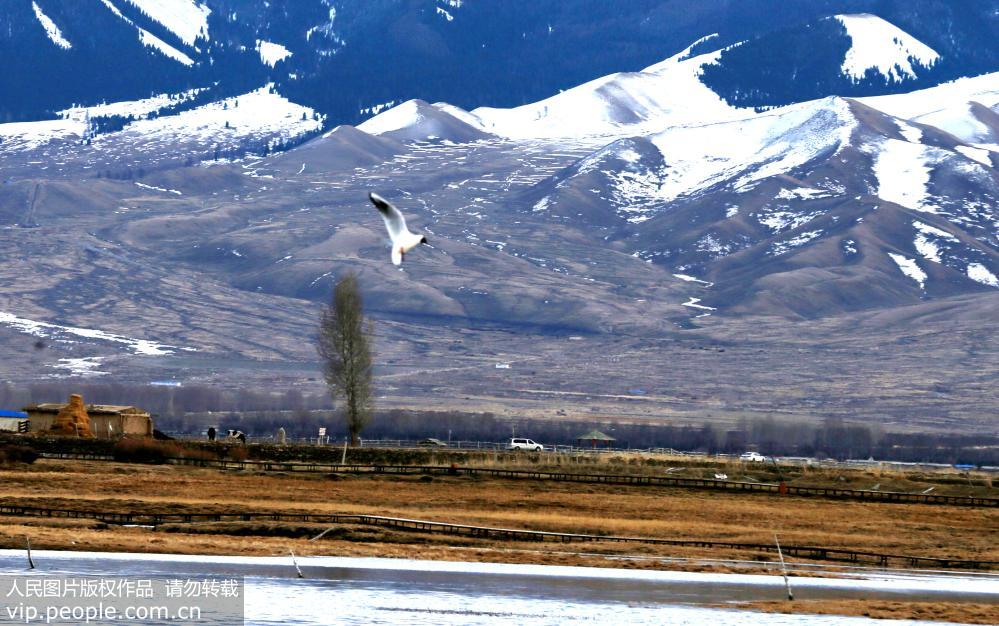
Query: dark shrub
[[17, 454], [145, 451]]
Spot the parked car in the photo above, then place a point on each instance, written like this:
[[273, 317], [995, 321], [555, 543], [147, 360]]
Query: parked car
[[519, 443], [430, 442], [753, 457]]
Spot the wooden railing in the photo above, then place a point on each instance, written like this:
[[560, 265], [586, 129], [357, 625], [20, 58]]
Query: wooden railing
[[610, 479], [484, 532]]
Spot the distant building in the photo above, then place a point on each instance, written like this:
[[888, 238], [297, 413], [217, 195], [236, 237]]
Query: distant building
[[13, 421], [106, 421], [594, 437]]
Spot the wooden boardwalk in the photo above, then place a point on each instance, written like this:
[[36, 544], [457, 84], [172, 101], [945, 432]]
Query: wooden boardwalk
[[846, 555], [609, 479]]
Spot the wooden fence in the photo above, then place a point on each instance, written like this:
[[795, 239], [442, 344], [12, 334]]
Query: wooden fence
[[610, 479], [484, 532]]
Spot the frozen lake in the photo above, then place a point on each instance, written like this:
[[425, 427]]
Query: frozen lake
[[394, 591]]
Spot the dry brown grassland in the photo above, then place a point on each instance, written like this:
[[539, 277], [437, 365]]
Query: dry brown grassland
[[919, 530]]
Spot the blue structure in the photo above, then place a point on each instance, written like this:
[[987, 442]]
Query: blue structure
[[17, 414]]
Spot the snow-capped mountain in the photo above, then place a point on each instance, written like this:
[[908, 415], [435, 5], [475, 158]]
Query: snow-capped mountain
[[902, 186], [472, 53], [628, 196]]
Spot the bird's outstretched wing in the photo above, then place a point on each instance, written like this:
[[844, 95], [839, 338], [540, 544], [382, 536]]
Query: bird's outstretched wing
[[394, 221]]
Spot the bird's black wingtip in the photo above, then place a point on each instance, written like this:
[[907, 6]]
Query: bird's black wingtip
[[377, 200]]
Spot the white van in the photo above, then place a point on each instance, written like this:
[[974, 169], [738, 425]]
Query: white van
[[524, 444]]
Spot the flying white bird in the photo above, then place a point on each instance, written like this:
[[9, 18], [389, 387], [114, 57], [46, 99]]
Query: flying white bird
[[402, 240]]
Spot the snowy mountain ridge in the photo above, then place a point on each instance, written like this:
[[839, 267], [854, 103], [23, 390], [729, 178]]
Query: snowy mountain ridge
[[879, 45]]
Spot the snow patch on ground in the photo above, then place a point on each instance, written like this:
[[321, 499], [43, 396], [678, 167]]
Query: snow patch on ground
[[403, 116], [749, 150], [151, 40], [693, 303], [270, 52], [911, 133], [133, 108], [910, 269], [903, 172], [944, 106], [83, 367], [153, 188], [51, 29], [260, 112], [803, 193], [976, 154], [981, 274], [783, 247], [927, 241], [709, 243], [45, 329], [780, 221], [692, 279], [185, 18], [882, 46]]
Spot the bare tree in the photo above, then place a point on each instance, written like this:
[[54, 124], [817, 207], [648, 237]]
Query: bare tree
[[343, 346]]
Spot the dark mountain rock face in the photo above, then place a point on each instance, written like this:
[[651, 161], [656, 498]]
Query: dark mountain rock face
[[349, 55]]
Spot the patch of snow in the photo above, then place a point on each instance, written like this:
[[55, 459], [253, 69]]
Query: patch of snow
[[692, 279], [903, 172], [446, 15], [402, 116], [259, 112], [927, 242], [910, 133], [945, 106], [731, 211], [270, 52], [51, 29], [976, 154], [459, 113], [185, 18], [151, 40], [882, 46], [693, 303], [960, 121], [910, 268], [849, 246], [936, 232], [130, 108], [802, 193], [780, 221], [708, 243], [981, 274], [45, 329], [752, 149], [83, 367], [144, 186], [783, 247]]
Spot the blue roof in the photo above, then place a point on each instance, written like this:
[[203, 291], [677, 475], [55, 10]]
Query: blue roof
[[17, 414]]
